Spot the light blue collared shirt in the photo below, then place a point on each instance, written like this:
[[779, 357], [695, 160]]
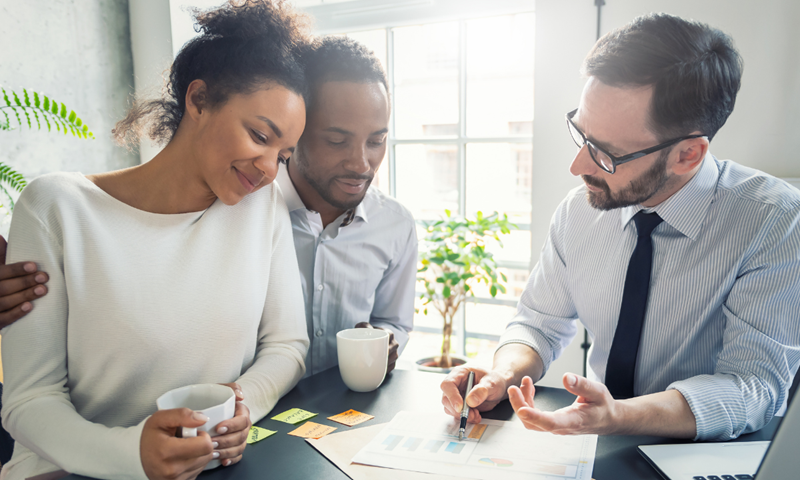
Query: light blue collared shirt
[[362, 272], [723, 315]]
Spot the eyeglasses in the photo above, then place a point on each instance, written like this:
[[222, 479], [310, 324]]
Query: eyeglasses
[[605, 160]]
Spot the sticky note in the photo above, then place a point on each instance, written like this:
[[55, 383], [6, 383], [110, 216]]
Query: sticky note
[[351, 417], [312, 430], [477, 431], [258, 433], [294, 416]]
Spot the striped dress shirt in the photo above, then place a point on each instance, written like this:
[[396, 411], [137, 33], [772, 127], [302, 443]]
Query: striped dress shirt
[[723, 317], [362, 267]]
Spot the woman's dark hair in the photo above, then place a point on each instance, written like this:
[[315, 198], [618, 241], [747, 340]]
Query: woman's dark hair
[[694, 69], [340, 59], [241, 45]]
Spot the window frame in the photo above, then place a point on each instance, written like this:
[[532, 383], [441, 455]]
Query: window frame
[[460, 141]]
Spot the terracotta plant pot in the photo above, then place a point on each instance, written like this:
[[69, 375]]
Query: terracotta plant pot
[[430, 364]]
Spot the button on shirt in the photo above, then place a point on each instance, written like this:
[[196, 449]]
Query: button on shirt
[[362, 267], [722, 322]]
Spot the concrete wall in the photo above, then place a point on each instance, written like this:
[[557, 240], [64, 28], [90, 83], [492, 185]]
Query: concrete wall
[[78, 52]]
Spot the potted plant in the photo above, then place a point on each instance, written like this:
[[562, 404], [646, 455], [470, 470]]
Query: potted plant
[[32, 109], [454, 260]]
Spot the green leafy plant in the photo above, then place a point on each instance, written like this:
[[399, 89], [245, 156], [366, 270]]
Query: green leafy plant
[[33, 109], [454, 260]]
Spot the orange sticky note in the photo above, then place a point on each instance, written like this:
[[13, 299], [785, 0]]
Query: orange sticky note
[[351, 417], [312, 430]]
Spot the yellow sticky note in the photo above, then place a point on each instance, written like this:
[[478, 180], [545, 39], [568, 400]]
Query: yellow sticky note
[[312, 430], [294, 416], [351, 417], [257, 433]]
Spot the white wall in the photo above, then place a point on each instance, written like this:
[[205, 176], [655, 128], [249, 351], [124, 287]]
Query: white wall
[[151, 45], [78, 52]]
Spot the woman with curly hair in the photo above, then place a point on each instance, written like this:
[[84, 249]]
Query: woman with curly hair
[[209, 291]]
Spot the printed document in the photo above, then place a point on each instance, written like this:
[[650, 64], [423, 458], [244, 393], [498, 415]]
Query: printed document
[[493, 449]]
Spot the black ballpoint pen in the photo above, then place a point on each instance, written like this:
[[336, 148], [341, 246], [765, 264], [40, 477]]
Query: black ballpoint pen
[[465, 408]]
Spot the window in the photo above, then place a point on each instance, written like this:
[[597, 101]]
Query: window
[[461, 139]]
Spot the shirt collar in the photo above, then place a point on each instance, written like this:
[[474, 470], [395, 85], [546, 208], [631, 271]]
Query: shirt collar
[[290, 195], [294, 202], [686, 209]]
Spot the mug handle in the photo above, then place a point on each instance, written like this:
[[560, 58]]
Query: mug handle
[[188, 432]]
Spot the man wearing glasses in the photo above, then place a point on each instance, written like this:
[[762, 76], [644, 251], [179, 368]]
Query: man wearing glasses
[[684, 269]]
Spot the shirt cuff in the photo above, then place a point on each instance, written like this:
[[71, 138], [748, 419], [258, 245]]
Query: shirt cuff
[[132, 457], [719, 410], [531, 337], [399, 334]]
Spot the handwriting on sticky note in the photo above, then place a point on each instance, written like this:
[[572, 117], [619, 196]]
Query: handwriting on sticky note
[[477, 431], [312, 430], [257, 434], [294, 416], [351, 417]]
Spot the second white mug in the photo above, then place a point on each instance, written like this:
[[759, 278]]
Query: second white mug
[[363, 353]]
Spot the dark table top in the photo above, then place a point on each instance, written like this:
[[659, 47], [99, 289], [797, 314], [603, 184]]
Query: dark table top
[[283, 456]]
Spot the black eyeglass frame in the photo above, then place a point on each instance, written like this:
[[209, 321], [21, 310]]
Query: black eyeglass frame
[[624, 158]]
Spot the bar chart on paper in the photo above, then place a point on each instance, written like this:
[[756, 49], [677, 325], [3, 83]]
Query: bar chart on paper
[[491, 450]]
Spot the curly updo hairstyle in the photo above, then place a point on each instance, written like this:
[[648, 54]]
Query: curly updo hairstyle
[[241, 45]]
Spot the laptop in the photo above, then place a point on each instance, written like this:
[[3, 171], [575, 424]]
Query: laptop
[[775, 460]]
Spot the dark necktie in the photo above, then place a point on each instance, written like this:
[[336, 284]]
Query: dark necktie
[[621, 364]]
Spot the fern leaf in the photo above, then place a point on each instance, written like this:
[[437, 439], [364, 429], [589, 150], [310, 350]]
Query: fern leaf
[[43, 108], [8, 195], [12, 178], [16, 114]]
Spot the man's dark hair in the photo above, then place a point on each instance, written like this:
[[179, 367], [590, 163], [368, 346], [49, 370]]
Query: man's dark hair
[[340, 59], [694, 69]]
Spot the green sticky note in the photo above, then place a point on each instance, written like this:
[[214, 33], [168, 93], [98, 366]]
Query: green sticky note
[[257, 433], [294, 416]]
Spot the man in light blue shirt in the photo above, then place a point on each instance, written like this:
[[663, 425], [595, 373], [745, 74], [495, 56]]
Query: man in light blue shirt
[[719, 338], [356, 247]]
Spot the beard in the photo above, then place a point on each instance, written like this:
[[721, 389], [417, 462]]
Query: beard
[[638, 191], [324, 186]]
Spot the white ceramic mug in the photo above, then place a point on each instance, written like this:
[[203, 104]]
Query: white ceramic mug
[[363, 353], [217, 402]]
